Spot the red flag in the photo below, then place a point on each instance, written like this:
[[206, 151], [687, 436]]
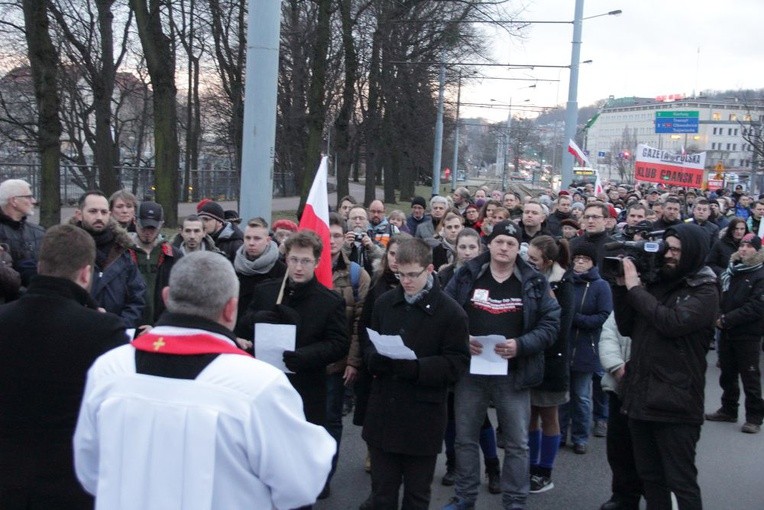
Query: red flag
[[578, 153], [315, 217]]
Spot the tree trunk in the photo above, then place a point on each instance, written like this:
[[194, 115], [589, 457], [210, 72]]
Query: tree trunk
[[342, 124], [103, 92], [43, 61], [160, 60]]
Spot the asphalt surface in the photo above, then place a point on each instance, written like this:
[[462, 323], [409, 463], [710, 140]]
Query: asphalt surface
[[730, 465]]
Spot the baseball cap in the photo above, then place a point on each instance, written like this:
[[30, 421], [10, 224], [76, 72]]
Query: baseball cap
[[150, 214]]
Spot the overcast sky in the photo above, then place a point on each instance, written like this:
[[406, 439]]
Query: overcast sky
[[653, 48]]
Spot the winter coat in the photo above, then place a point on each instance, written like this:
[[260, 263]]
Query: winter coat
[[710, 228], [23, 240], [354, 299], [10, 280], [413, 223], [615, 351], [554, 222], [557, 356], [207, 242], [321, 336], [408, 416], [248, 283], [228, 239], [118, 287], [381, 283], [167, 258], [49, 338], [592, 304], [742, 305], [671, 324], [720, 253], [541, 316]]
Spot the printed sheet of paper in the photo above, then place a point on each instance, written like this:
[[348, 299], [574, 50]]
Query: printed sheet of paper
[[391, 346], [488, 362], [130, 332], [271, 340]]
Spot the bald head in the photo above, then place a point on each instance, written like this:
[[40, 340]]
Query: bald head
[[376, 212]]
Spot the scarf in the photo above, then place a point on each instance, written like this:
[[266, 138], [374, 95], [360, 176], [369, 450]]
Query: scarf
[[103, 241], [260, 265], [736, 267], [422, 293]]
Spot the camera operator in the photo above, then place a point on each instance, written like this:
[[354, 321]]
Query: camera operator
[[671, 325]]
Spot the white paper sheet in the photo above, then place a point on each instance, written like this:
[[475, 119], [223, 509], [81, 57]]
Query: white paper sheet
[[488, 362], [271, 340], [130, 332], [391, 346]]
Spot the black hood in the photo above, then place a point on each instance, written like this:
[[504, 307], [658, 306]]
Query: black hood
[[694, 247]]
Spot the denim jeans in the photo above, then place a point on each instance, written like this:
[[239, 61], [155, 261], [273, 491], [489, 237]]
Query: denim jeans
[[513, 407], [335, 392], [578, 411], [600, 407]]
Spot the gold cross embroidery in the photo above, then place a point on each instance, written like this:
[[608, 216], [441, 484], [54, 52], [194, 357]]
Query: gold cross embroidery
[[159, 343]]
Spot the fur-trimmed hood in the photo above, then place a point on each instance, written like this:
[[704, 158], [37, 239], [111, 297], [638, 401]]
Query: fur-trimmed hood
[[758, 258], [121, 236]]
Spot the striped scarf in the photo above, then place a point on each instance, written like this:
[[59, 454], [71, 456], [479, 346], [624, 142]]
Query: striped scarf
[[736, 267]]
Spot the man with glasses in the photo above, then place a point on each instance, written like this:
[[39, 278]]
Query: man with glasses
[[595, 231], [22, 238], [671, 324], [505, 296], [318, 313], [406, 415], [379, 227]]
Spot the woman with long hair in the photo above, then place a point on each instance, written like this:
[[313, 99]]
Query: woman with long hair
[[719, 257], [551, 257]]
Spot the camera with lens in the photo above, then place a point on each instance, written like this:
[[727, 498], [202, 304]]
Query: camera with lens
[[646, 254], [359, 236]]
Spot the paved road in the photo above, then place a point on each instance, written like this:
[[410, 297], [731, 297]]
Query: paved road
[[730, 466]]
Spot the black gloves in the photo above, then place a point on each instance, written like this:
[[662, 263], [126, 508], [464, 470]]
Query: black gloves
[[406, 369], [281, 314], [295, 361]]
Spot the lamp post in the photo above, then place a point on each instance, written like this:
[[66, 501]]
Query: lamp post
[[437, 151], [571, 111]]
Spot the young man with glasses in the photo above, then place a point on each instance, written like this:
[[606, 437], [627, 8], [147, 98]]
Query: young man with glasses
[[406, 415], [22, 238], [318, 313]]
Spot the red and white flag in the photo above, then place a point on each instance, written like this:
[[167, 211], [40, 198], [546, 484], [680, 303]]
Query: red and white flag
[[598, 185], [315, 217], [578, 153]]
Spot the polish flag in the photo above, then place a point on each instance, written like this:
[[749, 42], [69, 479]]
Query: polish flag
[[598, 185], [578, 153], [315, 217]]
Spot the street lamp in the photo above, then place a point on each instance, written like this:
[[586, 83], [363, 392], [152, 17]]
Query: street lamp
[[571, 111]]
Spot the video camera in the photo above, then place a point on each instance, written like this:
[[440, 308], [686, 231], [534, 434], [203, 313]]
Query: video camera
[[647, 256]]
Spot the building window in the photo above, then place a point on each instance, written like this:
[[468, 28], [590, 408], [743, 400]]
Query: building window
[[733, 116], [736, 131], [734, 146], [728, 146], [714, 130], [747, 117], [718, 116], [729, 131], [713, 146]]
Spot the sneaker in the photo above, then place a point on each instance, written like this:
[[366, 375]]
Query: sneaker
[[458, 503], [720, 415], [541, 484], [579, 448], [751, 428], [449, 478], [600, 428]]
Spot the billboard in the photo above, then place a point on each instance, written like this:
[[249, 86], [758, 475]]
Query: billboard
[[671, 169]]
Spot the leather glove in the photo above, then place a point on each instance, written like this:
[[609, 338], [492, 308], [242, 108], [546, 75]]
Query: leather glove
[[380, 365], [280, 314], [295, 361], [406, 369]]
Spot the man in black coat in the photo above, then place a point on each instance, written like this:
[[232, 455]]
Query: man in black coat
[[671, 324], [318, 313], [48, 340], [741, 324], [21, 237], [406, 415]]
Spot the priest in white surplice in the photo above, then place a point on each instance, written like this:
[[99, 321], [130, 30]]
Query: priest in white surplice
[[182, 419]]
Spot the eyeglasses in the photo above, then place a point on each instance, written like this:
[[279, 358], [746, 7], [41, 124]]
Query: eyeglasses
[[673, 249], [24, 196], [593, 217], [581, 258], [410, 276], [300, 262]]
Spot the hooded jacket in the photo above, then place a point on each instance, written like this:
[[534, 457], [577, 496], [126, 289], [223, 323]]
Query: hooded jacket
[[592, 304], [228, 239], [118, 285], [671, 324]]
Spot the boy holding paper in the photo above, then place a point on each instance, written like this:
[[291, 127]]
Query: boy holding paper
[[406, 415]]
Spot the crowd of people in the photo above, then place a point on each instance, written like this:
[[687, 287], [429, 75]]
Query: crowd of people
[[118, 339]]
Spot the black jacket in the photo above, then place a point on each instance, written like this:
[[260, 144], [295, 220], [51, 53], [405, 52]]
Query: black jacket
[[557, 357], [599, 240], [247, 284], [228, 239], [743, 303], [48, 340], [720, 253], [671, 324], [405, 415], [24, 240], [322, 335], [554, 222]]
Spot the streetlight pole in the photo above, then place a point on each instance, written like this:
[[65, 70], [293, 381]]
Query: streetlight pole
[[571, 110], [437, 151], [455, 166]]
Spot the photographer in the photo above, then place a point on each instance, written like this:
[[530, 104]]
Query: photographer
[[670, 322], [359, 244]]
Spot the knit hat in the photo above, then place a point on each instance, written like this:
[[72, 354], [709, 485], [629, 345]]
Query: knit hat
[[505, 228], [232, 216], [419, 201], [201, 204], [563, 192], [213, 210], [578, 205], [585, 249], [150, 215], [753, 240], [612, 210]]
